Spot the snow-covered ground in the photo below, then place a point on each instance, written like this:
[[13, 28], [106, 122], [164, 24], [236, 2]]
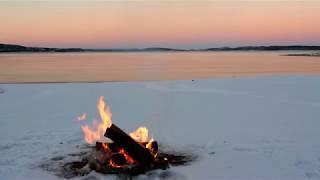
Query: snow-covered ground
[[257, 127]]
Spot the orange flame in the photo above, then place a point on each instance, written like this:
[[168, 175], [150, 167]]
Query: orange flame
[[96, 133]]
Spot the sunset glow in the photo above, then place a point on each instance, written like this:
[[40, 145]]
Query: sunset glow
[[180, 24]]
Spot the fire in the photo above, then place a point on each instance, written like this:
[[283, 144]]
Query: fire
[[140, 135], [96, 133], [149, 145], [127, 156]]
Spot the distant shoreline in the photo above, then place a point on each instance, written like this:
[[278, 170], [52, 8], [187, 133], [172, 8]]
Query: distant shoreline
[[7, 48]]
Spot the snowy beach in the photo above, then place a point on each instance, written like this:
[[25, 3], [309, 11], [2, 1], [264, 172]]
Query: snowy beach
[[240, 128]]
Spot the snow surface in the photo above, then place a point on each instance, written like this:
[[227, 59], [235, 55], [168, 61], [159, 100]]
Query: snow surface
[[257, 127]]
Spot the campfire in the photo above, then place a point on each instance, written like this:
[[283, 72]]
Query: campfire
[[112, 151], [132, 153]]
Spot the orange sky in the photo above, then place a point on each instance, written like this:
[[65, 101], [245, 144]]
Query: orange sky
[[153, 23]]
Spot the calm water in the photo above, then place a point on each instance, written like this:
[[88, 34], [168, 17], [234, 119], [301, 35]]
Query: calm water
[[92, 67]]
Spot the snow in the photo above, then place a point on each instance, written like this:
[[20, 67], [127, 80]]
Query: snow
[[240, 128]]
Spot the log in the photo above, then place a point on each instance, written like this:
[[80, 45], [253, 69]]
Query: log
[[114, 148], [139, 153]]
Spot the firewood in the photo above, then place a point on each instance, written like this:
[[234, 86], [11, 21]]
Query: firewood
[[114, 148], [136, 150]]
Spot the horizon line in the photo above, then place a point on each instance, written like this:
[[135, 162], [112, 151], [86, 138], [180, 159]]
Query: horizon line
[[163, 47]]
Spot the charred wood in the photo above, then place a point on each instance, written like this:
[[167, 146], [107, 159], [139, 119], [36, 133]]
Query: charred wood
[[136, 150]]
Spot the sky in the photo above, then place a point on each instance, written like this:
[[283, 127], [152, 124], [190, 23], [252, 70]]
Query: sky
[[156, 23]]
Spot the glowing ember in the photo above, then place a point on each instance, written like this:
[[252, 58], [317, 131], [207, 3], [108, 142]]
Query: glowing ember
[[127, 156], [96, 133]]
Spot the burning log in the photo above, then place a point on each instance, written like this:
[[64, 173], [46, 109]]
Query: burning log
[[113, 147], [136, 150]]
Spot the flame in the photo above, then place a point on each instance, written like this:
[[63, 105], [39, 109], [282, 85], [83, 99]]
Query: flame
[[151, 149], [149, 145], [96, 133], [140, 135]]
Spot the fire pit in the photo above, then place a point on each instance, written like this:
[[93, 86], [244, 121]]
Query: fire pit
[[91, 159], [125, 155], [112, 151]]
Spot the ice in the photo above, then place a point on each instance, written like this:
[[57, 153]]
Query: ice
[[241, 128]]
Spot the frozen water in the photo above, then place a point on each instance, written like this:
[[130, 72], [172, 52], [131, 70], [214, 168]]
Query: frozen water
[[241, 128]]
